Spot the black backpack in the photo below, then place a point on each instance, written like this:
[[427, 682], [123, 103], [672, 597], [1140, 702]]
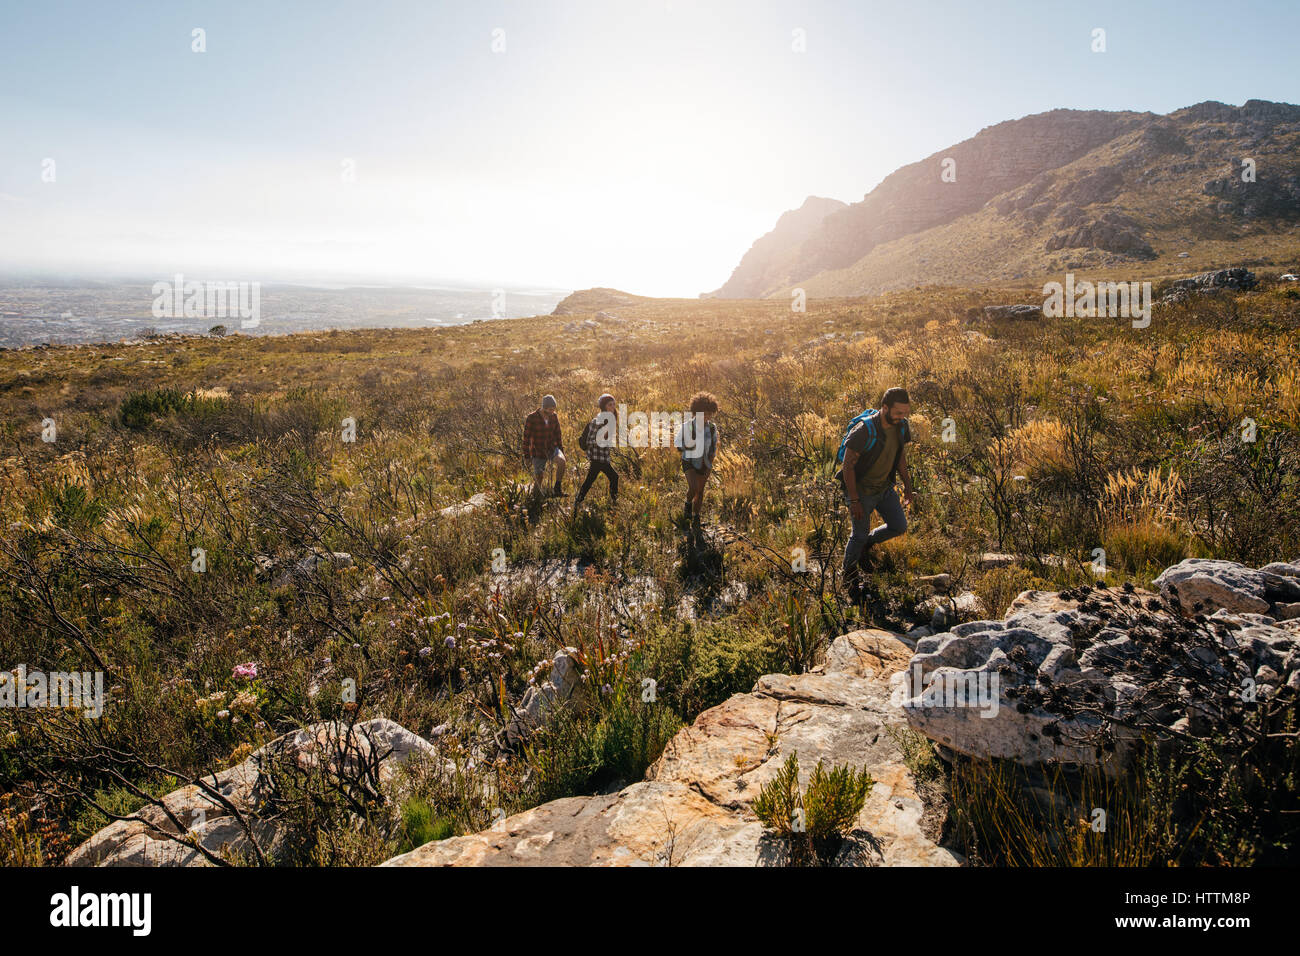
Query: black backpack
[[584, 440]]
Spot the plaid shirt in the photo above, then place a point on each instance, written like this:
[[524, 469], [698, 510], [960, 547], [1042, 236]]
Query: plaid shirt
[[595, 451], [541, 438]]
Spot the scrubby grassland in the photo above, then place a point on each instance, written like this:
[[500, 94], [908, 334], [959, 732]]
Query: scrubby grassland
[[1070, 435]]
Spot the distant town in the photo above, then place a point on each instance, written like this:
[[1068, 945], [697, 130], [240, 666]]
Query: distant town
[[41, 311]]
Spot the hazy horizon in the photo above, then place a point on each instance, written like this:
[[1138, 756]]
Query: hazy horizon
[[643, 148]]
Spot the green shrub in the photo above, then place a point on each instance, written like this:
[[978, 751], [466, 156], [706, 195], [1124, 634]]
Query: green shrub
[[918, 753], [72, 508], [421, 825], [138, 409], [578, 752], [830, 804], [834, 799], [778, 800]]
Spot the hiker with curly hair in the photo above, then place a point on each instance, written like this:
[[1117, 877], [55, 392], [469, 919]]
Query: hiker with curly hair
[[698, 440]]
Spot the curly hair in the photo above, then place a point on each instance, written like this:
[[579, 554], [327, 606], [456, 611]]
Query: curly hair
[[703, 402]]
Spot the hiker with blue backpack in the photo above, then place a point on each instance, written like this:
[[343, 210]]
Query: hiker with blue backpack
[[873, 454]]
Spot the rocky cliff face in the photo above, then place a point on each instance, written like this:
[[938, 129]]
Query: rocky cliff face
[[1032, 195]]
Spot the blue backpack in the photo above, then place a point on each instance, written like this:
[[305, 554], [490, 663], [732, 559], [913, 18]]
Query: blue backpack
[[869, 416]]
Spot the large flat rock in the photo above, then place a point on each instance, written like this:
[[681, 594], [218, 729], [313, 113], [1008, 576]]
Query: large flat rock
[[645, 824], [695, 806]]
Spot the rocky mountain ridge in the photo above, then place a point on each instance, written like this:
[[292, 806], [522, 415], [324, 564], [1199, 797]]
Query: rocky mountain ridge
[[1055, 190]]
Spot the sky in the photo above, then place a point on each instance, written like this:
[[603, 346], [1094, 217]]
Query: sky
[[638, 145]]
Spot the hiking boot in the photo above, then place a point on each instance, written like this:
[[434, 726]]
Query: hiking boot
[[558, 492]]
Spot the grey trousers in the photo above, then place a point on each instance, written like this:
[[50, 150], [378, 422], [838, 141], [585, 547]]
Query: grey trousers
[[863, 536]]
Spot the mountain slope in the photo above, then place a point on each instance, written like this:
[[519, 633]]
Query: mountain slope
[[766, 265], [1065, 189]]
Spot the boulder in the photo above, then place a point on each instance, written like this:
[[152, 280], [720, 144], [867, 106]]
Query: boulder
[[312, 562], [1212, 584], [943, 611], [564, 680], [935, 583], [136, 841], [868, 653], [1286, 569], [1288, 612], [304, 567], [695, 806]]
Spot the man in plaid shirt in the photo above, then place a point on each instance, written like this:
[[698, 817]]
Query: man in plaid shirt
[[600, 439], [543, 442]]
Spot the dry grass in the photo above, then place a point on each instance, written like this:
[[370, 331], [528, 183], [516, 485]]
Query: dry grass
[[98, 529]]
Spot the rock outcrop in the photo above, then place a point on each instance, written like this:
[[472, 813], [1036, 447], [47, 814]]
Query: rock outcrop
[[943, 611], [1239, 279], [285, 573], [468, 506], [1111, 232], [1026, 312], [596, 300], [1207, 283], [137, 840], [1078, 676], [694, 807]]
